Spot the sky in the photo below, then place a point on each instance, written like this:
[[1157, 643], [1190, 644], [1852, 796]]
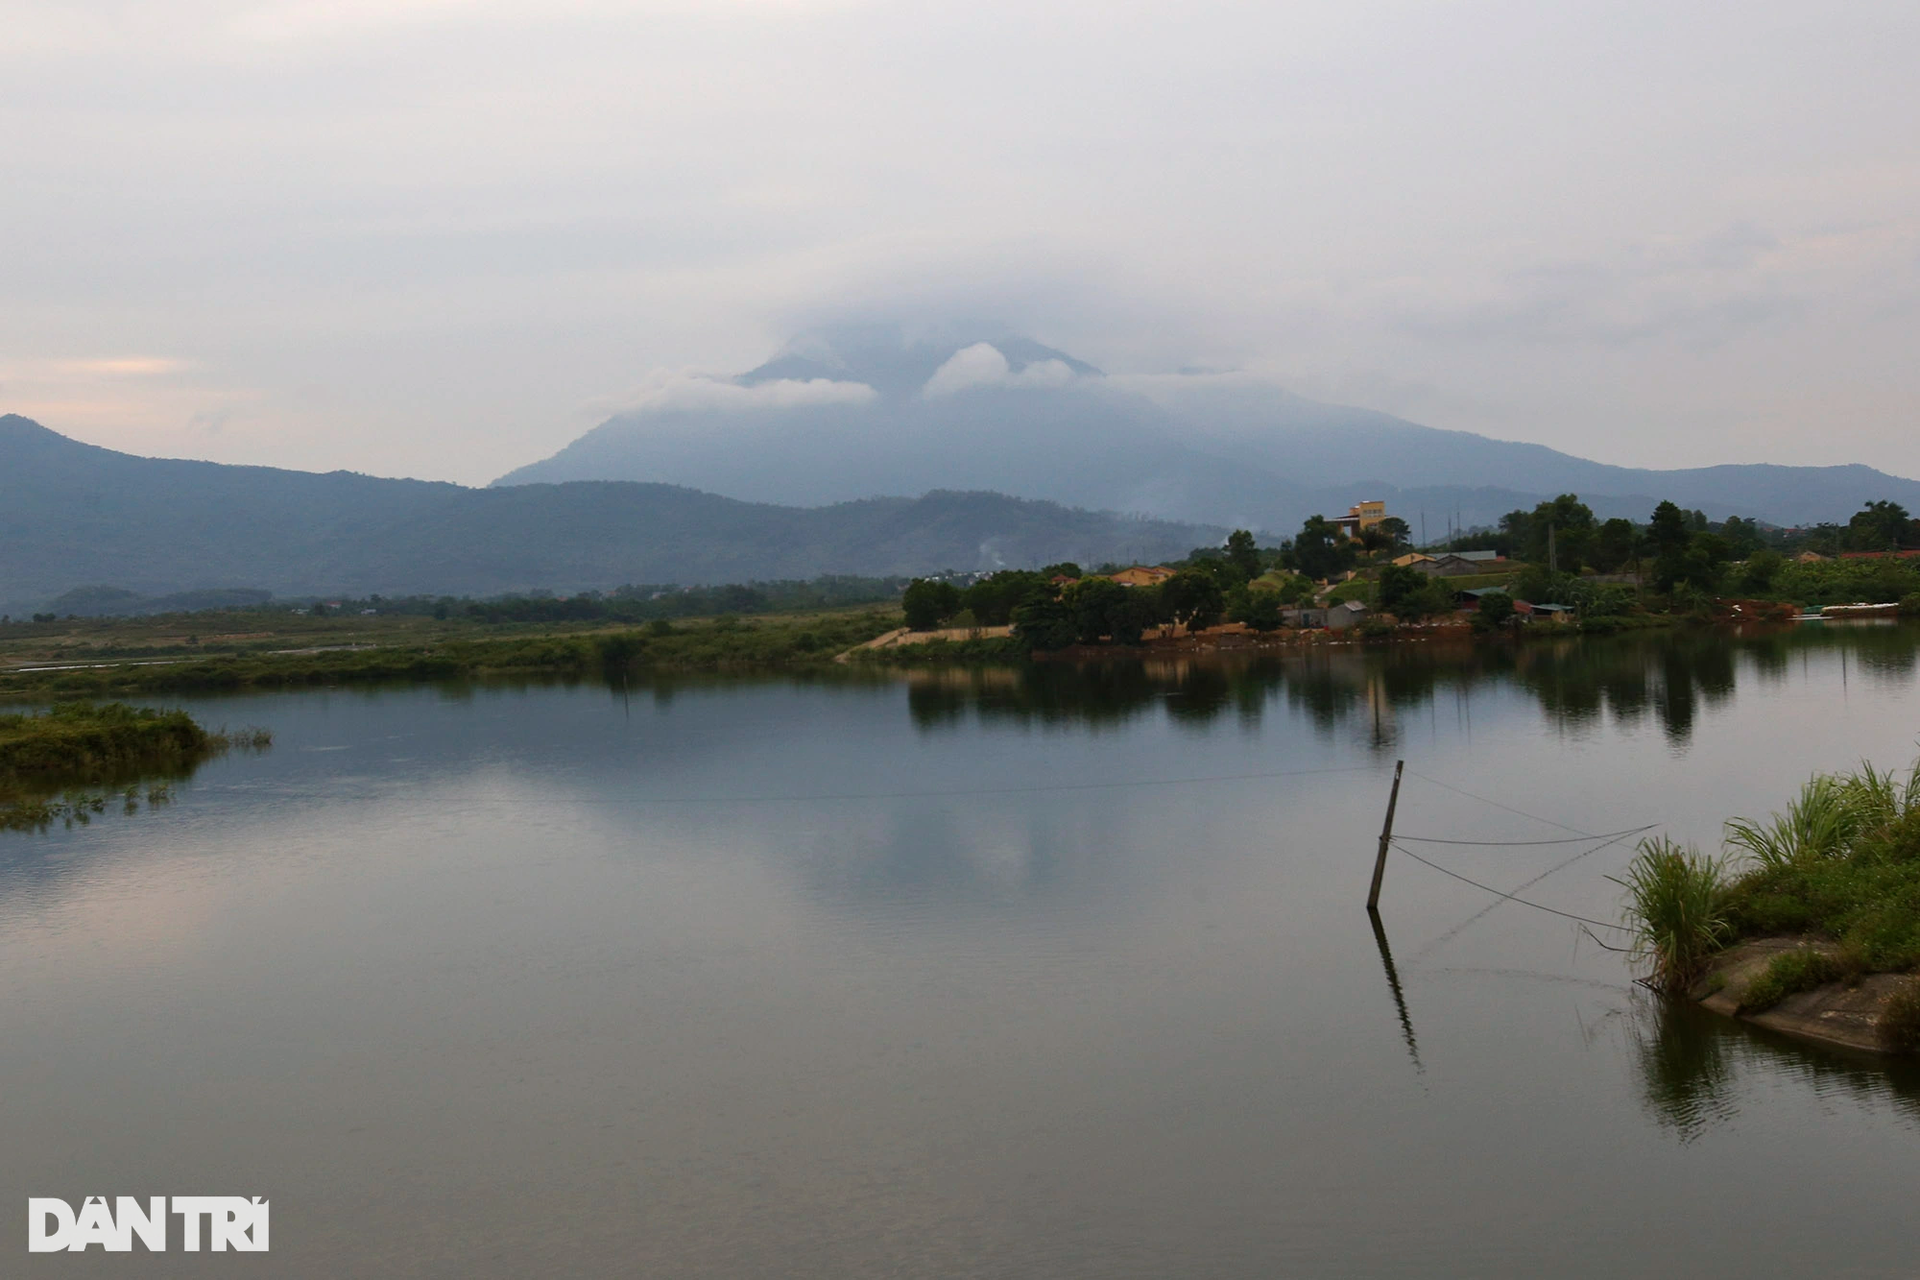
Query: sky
[[441, 238]]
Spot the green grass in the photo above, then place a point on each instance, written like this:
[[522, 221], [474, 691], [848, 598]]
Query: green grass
[[67, 762], [1365, 590], [78, 742], [715, 644], [1842, 862], [1789, 973], [1677, 906], [1900, 1021]]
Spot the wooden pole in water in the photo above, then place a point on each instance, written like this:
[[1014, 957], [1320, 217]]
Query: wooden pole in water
[[1386, 837]]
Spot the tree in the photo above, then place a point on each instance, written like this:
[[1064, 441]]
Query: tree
[[1398, 583], [1517, 528], [1398, 532], [1668, 531], [1612, 546], [1192, 597], [1318, 549], [1743, 536], [1045, 622], [1257, 608], [1705, 563], [1669, 536], [1294, 588], [1430, 599], [1879, 526], [1130, 616], [1226, 573], [1244, 554], [1560, 530], [927, 601], [1762, 568], [994, 598], [1094, 604]]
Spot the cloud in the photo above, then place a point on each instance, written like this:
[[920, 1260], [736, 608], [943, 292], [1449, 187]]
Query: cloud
[[982, 365], [679, 391], [119, 366]]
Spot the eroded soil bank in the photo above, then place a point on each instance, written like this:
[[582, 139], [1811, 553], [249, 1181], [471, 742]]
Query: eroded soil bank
[[1841, 1013]]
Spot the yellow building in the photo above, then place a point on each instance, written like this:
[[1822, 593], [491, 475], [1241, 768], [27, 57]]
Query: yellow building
[[1360, 517]]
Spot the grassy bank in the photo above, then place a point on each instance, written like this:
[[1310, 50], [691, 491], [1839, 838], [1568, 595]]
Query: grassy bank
[[59, 763], [105, 660], [1838, 868]]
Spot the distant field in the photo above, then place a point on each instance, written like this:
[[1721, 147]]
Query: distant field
[[252, 648]]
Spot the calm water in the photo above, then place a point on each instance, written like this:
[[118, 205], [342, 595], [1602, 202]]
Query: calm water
[[983, 975]]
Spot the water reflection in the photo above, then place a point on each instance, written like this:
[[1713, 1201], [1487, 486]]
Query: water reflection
[[1692, 1064], [1393, 986], [1578, 682]]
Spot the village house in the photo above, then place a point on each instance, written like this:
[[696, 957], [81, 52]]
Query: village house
[[1347, 613]]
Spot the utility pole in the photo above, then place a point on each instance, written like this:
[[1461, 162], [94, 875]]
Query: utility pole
[[1386, 838]]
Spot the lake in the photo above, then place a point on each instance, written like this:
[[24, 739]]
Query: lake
[[972, 973]]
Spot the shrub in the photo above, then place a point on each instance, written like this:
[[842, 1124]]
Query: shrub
[[1677, 905], [1787, 974], [1900, 1021], [1495, 611]]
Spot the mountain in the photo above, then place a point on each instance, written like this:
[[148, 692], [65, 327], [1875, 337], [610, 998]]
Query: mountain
[[74, 515], [851, 413]]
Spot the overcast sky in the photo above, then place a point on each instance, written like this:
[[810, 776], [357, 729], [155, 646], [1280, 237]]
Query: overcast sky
[[442, 238]]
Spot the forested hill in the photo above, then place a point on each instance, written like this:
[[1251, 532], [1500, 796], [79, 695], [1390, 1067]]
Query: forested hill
[[74, 514]]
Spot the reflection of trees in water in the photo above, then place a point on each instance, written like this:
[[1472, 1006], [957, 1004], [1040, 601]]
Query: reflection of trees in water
[[1578, 682], [1692, 1063]]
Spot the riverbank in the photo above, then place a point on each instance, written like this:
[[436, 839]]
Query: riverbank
[[60, 763], [993, 646], [1859, 1011], [1810, 923], [121, 658]]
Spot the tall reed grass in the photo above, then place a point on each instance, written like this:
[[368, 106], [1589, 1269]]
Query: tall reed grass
[[1677, 907], [1831, 815]]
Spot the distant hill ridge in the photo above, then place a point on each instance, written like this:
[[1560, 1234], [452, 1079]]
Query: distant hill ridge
[[76, 515], [896, 413]]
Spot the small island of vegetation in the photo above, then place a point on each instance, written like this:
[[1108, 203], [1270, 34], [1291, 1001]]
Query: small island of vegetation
[[64, 762], [1810, 923]]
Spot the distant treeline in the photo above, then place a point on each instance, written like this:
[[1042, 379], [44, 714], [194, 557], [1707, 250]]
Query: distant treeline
[[649, 601], [1613, 544], [1061, 606]]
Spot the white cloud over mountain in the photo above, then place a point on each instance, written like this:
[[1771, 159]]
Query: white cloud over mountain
[[982, 366], [668, 391]]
